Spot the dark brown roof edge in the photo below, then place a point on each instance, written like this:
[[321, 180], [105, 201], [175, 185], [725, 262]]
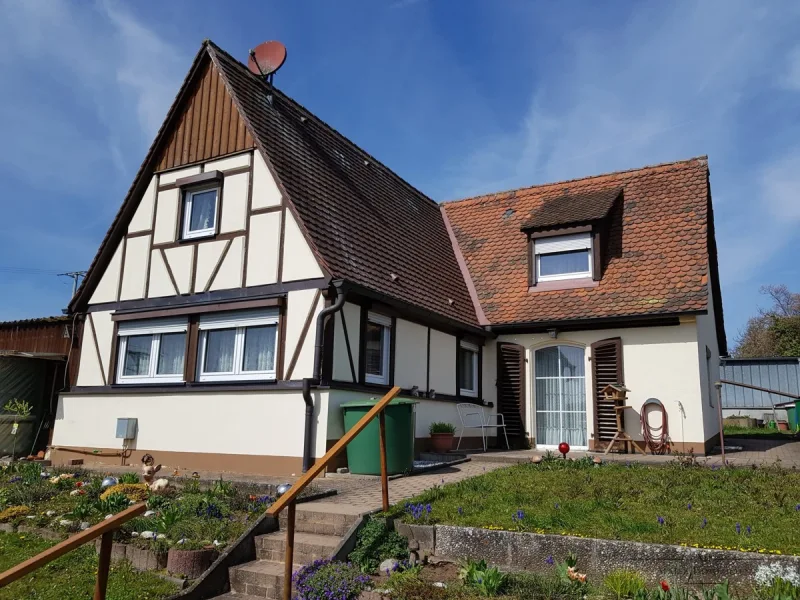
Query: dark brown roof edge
[[462, 264], [36, 321], [713, 268], [640, 320], [139, 184]]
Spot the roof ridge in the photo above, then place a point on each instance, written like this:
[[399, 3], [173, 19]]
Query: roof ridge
[[317, 119], [496, 195]]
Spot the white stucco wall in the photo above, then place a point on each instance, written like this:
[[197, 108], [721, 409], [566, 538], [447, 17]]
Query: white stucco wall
[[106, 290], [143, 217], [298, 259], [234, 202], [260, 423], [90, 371], [173, 176], [351, 313], [166, 216], [298, 304], [134, 273], [411, 354], [231, 162], [265, 190], [262, 254], [658, 362], [709, 367], [443, 363], [231, 269], [181, 262]]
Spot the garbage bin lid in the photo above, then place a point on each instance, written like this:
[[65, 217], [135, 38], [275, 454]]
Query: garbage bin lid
[[372, 402]]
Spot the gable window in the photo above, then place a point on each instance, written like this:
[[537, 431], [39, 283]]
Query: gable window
[[238, 346], [563, 257], [151, 351], [468, 369], [200, 208], [377, 347]]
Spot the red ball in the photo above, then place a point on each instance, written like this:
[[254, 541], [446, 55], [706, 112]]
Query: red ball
[[563, 447]]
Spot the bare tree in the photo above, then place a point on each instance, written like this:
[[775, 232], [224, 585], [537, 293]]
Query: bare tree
[[772, 332]]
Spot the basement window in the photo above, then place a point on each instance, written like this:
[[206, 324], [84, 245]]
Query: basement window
[[563, 257], [238, 346], [151, 351], [200, 208], [377, 347], [468, 369]]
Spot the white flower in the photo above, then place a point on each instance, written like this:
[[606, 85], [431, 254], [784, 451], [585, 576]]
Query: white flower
[[766, 574], [182, 541], [217, 543], [147, 535], [135, 534]]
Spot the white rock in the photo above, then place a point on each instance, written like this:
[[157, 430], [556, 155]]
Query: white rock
[[108, 517], [50, 513], [147, 535], [135, 534], [65, 523], [217, 543], [85, 525], [30, 516], [439, 584], [149, 513], [182, 541], [161, 536], [390, 564]]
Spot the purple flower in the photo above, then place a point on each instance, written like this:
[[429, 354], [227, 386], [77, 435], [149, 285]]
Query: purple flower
[[428, 509], [689, 506], [749, 530], [705, 522], [661, 520], [460, 510], [797, 507], [557, 505], [549, 560], [738, 528], [18, 478]]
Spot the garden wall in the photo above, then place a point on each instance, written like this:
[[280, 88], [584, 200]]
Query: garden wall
[[690, 567]]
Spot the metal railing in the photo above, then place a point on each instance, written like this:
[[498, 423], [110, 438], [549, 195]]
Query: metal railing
[[105, 529], [288, 499]]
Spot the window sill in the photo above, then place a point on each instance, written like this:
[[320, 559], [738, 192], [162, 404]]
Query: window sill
[[563, 284]]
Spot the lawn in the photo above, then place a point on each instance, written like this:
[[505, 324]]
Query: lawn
[[733, 508], [757, 432], [72, 577]]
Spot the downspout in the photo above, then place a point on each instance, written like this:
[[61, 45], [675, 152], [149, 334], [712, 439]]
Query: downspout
[[341, 295]]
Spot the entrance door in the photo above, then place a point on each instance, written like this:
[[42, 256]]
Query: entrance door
[[560, 396]]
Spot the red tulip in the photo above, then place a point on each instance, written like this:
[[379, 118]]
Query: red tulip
[[664, 585]]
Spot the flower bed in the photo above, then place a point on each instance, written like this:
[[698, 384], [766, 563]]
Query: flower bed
[[185, 516], [744, 509]]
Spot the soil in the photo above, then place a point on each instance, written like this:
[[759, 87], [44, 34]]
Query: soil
[[433, 572]]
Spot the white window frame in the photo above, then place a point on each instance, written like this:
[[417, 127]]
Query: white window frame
[[239, 321], [155, 328], [188, 197], [386, 323], [567, 243], [472, 393]]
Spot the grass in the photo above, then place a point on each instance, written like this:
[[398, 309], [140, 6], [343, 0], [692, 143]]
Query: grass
[[757, 432], [734, 508], [72, 576]]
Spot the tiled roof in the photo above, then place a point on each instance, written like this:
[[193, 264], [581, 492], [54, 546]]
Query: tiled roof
[[657, 260], [36, 321], [574, 206], [365, 222]]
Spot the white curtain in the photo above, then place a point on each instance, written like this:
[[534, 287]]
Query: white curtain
[[137, 355], [259, 348], [220, 346], [560, 388], [204, 205], [170, 353]]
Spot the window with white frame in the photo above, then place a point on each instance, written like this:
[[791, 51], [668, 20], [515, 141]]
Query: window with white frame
[[238, 346], [200, 208], [468, 369], [151, 351], [563, 257], [377, 344]]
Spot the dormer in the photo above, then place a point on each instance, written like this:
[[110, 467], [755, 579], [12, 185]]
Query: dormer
[[568, 239]]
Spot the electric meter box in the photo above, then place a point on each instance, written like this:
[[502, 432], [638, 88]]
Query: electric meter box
[[126, 429]]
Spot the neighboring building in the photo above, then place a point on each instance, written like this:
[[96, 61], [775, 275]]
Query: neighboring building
[[250, 216], [779, 373], [38, 359]]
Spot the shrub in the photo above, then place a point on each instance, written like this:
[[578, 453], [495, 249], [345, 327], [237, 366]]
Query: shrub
[[137, 492], [12, 512], [325, 579], [486, 580], [129, 478], [375, 543], [82, 510], [624, 583], [113, 503], [442, 427]]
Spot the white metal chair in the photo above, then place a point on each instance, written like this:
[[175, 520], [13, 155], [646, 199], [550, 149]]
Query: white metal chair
[[472, 417]]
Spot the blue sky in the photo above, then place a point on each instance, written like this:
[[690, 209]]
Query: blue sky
[[459, 98]]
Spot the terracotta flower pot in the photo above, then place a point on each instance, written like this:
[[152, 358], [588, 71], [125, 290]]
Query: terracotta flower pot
[[783, 426], [190, 563], [441, 442]]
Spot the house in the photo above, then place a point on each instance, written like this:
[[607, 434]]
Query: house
[[263, 269], [38, 359]]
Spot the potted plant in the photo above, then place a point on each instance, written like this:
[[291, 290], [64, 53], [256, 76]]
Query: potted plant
[[442, 436]]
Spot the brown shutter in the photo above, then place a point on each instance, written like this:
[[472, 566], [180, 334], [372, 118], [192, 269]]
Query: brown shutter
[[511, 388], [606, 369]]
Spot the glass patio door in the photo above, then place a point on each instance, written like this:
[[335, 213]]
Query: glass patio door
[[560, 396]]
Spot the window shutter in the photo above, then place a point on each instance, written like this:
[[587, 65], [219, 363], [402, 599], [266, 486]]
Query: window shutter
[[606, 369], [511, 387]]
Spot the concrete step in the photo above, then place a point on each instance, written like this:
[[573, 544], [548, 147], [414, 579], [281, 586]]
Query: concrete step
[[260, 578], [323, 518], [308, 547], [235, 596]]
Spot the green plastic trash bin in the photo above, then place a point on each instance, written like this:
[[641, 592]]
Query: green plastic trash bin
[[792, 413], [363, 453]]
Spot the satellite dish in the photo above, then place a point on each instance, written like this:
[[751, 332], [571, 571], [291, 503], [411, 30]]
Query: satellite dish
[[267, 58]]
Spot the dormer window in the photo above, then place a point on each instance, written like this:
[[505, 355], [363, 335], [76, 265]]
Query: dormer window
[[563, 257]]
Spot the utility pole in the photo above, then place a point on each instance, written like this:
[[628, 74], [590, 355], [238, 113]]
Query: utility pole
[[75, 276]]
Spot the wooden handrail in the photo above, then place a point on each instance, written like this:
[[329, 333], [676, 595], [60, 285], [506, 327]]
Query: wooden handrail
[[318, 466], [105, 529]]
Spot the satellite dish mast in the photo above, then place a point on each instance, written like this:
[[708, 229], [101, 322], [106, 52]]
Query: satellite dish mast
[[265, 59]]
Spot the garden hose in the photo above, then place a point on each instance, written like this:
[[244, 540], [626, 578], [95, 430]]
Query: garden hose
[[656, 438]]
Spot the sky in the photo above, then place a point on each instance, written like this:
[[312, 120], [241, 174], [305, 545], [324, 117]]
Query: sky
[[459, 98]]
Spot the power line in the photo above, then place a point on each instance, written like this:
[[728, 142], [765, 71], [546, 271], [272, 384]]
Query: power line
[[29, 271]]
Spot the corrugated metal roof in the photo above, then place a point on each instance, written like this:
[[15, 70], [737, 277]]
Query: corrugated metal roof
[[781, 374], [36, 321]]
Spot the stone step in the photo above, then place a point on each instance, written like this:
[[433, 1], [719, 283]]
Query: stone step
[[308, 547], [235, 596], [260, 578], [323, 519]]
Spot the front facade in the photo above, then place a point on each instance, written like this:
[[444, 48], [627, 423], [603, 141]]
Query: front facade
[[246, 290]]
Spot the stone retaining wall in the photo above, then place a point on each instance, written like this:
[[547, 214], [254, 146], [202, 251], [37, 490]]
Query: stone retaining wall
[[518, 551]]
